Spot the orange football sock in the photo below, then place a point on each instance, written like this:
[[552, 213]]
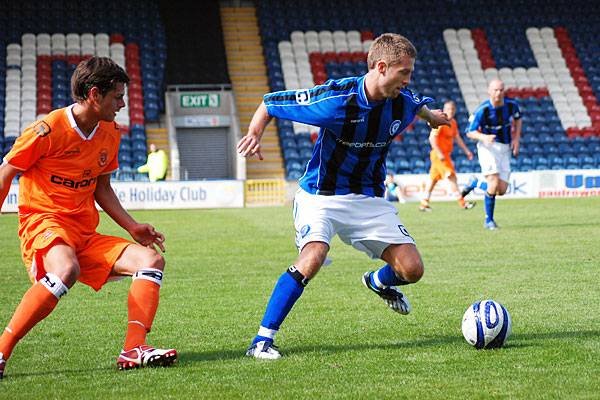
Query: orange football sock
[[461, 202], [142, 303], [36, 304]]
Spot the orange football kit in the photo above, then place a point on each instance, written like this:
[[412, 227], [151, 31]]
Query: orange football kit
[[60, 168], [442, 169]]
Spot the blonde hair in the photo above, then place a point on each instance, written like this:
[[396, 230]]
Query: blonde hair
[[390, 47]]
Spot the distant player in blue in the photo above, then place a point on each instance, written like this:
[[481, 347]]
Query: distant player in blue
[[496, 125], [342, 190]]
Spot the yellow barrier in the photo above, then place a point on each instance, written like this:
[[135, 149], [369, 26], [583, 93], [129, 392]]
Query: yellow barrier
[[264, 192]]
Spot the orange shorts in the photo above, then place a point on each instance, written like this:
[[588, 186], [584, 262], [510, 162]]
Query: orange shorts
[[96, 253], [441, 169]]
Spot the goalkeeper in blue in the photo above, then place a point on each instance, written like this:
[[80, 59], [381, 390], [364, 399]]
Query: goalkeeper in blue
[[341, 192]]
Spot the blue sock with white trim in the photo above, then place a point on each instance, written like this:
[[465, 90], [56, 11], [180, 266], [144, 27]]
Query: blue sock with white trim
[[490, 202], [386, 276], [482, 185], [286, 292]]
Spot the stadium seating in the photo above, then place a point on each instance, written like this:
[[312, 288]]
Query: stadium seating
[[546, 60], [39, 55]]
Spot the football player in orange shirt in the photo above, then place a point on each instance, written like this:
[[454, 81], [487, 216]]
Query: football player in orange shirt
[[442, 142], [66, 160]]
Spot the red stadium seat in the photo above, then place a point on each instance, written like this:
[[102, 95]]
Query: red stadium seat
[[359, 56], [116, 38], [315, 56], [329, 56], [344, 56], [366, 35]]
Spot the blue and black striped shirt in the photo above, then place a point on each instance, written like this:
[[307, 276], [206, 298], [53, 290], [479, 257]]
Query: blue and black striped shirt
[[497, 121], [350, 152]]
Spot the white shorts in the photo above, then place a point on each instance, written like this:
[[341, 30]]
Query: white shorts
[[369, 224], [494, 159]]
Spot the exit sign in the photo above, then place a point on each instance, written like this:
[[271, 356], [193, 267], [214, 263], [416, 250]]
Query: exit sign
[[200, 100]]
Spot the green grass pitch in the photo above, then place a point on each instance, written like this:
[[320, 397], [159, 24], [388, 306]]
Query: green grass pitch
[[340, 340]]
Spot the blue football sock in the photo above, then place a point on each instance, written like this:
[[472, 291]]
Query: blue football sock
[[286, 292], [490, 202], [482, 185], [386, 276]]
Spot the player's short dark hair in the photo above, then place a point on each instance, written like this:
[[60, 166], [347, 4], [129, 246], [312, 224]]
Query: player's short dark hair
[[390, 47], [100, 72]]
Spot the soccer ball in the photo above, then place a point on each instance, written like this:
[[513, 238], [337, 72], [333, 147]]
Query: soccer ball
[[486, 324]]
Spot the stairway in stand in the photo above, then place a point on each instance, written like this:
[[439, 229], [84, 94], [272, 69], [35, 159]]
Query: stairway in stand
[[248, 75], [160, 137]]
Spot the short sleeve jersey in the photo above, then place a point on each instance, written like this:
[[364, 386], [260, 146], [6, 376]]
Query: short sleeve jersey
[[355, 135], [61, 167], [445, 135], [497, 121]]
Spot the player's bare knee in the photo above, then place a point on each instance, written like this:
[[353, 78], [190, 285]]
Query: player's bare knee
[[157, 261], [412, 269], [415, 272], [311, 258], [151, 259], [68, 273]]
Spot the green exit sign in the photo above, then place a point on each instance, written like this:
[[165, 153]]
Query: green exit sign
[[200, 100]]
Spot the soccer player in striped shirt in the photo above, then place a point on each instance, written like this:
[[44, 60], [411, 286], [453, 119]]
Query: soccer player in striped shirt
[[496, 125], [341, 191]]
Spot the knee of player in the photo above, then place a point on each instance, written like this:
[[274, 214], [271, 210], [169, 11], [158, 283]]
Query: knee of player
[[411, 270], [69, 273], [414, 271], [152, 259]]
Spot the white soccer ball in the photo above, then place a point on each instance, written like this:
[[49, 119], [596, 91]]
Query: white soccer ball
[[486, 324]]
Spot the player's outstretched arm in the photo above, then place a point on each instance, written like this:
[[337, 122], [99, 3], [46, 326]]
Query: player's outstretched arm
[[249, 145], [463, 147], [144, 234], [7, 173], [435, 118]]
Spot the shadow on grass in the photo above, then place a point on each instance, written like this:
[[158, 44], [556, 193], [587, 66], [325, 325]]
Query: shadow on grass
[[321, 348], [516, 341], [69, 372]]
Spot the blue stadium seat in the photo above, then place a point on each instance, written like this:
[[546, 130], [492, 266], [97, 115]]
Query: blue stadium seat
[[557, 160], [398, 152], [304, 142], [125, 157], [139, 145], [541, 162], [125, 146], [550, 149], [288, 144], [564, 147], [139, 158], [291, 154], [305, 153], [137, 133], [402, 165], [294, 175]]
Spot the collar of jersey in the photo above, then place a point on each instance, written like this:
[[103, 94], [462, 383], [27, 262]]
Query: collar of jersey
[[362, 94], [74, 124]]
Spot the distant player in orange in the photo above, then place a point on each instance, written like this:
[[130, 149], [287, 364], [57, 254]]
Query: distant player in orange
[[66, 160], [442, 142]]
